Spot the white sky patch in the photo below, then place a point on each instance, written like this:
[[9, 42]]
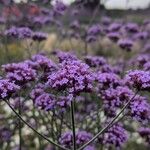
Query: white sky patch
[[117, 4], [121, 4], [124, 4]]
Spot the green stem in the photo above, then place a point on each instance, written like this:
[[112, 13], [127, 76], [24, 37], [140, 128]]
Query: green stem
[[110, 123], [73, 125], [44, 137], [20, 128]]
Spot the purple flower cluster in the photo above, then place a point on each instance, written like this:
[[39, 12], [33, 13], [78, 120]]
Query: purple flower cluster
[[19, 73], [19, 32], [65, 56], [45, 101], [93, 33], [147, 66], [125, 44], [140, 110], [95, 61], [7, 88], [48, 101], [39, 36], [115, 136], [142, 59], [115, 98], [81, 138], [59, 8], [74, 76], [138, 79], [114, 36], [107, 80], [42, 62], [114, 27], [132, 27]]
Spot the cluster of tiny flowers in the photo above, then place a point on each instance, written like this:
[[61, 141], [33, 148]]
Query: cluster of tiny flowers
[[107, 80], [140, 110], [132, 27], [93, 32], [142, 59], [39, 36], [48, 101], [138, 79], [95, 61], [147, 66], [141, 35], [145, 134], [114, 27], [115, 98], [20, 73], [74, 76], [115, 136], [125, 44], [19, 32], [59, 8], [81, 138], [75, 24], [114, 36], [45, 101], [43, 62], [65, 56], [7, 88]]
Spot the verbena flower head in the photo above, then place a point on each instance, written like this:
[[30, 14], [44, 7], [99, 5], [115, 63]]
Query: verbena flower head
[[45, 101], [24, 32], [39, 36], [125, 44], [59, 8], [95, 61], [138, 79], [43, 63], [94, 30], [147, 66], [19, 32], [141, 35], [115, 136], [140, 110], [114, 36], [132, 27], [65, 56], [106, 20], [74, 76], [114, 27], [142, 59], [12, 32], [145, 134], [91, 38], [42, 20], [20, 73], [107, 80], [7, 88], [115, 98], [81, 138], [75, 24], [146, 48]]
